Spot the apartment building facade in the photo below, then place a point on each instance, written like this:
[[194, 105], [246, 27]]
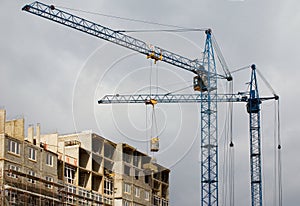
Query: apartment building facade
[[75, 169], [28, 172]]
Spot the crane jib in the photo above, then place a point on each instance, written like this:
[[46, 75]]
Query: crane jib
[[208, 97], [117, 37]]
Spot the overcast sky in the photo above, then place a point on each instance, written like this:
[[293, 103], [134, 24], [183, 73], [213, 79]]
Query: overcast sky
[[54, 75]]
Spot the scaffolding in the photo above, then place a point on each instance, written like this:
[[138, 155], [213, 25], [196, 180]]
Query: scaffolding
[[21, 189]]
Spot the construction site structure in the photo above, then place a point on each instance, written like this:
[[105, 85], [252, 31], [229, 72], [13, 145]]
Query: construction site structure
[[205, 82], [253, 106], [75, 169], [204, 69]]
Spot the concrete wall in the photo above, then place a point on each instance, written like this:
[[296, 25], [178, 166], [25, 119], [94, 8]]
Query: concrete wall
[[2, 148], [11, 156], [50, 141], [2, 121], [15, 128]]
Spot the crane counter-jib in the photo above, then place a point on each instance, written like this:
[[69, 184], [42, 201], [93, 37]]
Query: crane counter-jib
[[50, 12]]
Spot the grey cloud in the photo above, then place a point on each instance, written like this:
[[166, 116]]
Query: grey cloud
[[50, 74]]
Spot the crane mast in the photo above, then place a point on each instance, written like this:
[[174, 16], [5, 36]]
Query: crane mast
[[253, 108], [209, 130], [208, 97], [252, 100], [205, 71]]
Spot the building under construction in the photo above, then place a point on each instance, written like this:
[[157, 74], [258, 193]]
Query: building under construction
[[75, 169]]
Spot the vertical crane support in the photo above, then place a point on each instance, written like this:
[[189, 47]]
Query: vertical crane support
[[209, 139], [252, 101], [209, 147], [208, 99], [253, 108]]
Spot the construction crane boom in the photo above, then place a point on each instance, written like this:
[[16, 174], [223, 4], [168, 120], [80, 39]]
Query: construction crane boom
[[205, 82], [166, 98], [253, 108], [117, 37], [173, 98]]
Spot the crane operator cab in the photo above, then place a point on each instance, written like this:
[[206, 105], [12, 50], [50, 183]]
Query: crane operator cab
[[253, 105], [200, 83]]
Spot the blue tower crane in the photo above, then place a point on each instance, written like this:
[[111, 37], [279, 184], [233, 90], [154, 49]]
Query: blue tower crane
[[205, 81], [252, 100]]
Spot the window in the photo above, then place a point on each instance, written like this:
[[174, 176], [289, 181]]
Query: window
[[97, 197], [137, 191], [13, 196], [136, 175], [84, 193], [13, 147], [147, 195], [71, 189], [108, 186], [127, 203], [107, 200], [49, 159], [156, 201], [69, 174], [136, 159], [165, 176], [50, 179], [147, 178], [71, 199], [126, 170], [32, 173], [127, 188], [164, 202], [31, 153], [127, 157], [13, 168]]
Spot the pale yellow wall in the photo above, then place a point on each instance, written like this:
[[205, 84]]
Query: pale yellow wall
[[2, 121], [15, 128]]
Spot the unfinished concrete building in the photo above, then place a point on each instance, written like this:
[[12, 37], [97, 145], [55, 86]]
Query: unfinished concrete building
[[28, 172], [75, 169]]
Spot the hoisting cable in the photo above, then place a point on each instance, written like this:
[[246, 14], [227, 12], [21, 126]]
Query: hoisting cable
[[178, 28], [161, 30], [231, 151], [228, 157], [154, 120], [154, 141], [150, 78], [157, 79], [154, 123], [225, 185], [178, 90], [266, 82], [147, 137], [279, 157], [150, 91], [240, 69], [221, 59], [263, 199], [122, 18], [177, 83], [275, 194]]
